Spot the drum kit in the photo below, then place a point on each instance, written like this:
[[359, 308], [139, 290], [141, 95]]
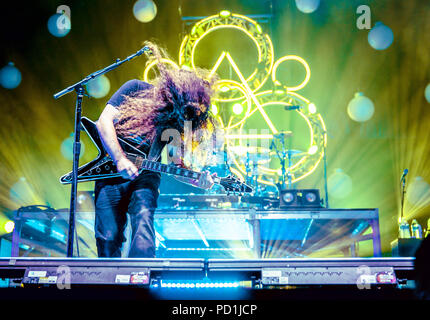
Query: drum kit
[[254, 157]]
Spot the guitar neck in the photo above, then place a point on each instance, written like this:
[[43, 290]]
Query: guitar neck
[[145, 164]]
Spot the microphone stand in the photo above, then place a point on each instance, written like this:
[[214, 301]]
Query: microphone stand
[[325, 133], [78, 87], [403, 181]]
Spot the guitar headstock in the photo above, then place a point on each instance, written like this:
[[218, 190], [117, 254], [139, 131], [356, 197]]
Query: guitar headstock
[[233, 184]]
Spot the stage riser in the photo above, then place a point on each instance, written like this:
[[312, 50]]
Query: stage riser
[[297, 232]]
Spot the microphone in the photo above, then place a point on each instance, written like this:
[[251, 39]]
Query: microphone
[[144, 49], [289, 108], [405, 172]]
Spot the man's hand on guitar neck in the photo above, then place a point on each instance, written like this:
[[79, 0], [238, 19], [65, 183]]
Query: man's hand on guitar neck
[[126, 168], [206, 180]]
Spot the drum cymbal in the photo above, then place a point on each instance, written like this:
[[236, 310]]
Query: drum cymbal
[[253, 154], [242, 150], [283, 134], [291, 153]]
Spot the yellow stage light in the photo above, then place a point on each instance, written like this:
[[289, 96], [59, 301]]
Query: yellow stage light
[[214, 109], [225, 13], [312, 108], [237, 108], [313, 149]]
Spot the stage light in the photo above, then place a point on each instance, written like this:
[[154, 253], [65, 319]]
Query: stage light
[[59, 25], [9, 226], [380, 37], [214, 109], [225, 14], [67, 148], [224, 89], [98, 87], [144, 10], [312, 108], [258, 28], [313, 149], [307, 6], [360, 108], [82, 198], [427, 93], [186, 67], [237, 108], [339, 184], [10, 76]]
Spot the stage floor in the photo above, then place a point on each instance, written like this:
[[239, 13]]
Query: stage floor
[[363, 279]]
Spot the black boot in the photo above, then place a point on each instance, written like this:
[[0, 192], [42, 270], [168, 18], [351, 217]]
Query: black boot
[[108, 249]]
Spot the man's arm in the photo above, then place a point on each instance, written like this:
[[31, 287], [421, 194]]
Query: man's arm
[[106, 129]]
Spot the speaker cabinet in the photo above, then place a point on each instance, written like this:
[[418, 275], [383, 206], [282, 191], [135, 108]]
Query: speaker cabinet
[[304, 198]]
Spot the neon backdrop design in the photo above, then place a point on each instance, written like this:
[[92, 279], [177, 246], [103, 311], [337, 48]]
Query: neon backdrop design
[[247, 92]]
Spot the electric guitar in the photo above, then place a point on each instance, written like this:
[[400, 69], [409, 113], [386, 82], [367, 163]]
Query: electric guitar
[[103, 167]]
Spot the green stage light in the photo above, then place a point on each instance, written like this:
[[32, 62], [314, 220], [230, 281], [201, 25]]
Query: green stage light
[[237, 108]]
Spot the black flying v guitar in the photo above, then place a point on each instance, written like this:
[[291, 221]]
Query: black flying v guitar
[[103, 167]]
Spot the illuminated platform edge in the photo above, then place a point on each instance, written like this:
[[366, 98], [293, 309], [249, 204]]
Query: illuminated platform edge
[[269, 272]]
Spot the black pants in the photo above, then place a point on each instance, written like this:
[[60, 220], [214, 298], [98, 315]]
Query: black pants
[[112, 203]]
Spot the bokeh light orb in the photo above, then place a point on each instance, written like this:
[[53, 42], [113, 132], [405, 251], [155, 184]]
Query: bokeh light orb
[[427, 93], [380, 37], [144, 10], [10, 76], [98, 87], [59, 25], [339, 184], [307, 6], [21, 193], [67, 148], [360, 108], [418, 192]]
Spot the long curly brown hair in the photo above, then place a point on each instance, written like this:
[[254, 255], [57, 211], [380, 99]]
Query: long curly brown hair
[[176, 96]]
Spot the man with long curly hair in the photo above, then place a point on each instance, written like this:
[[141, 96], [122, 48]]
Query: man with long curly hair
[[141, 112]]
